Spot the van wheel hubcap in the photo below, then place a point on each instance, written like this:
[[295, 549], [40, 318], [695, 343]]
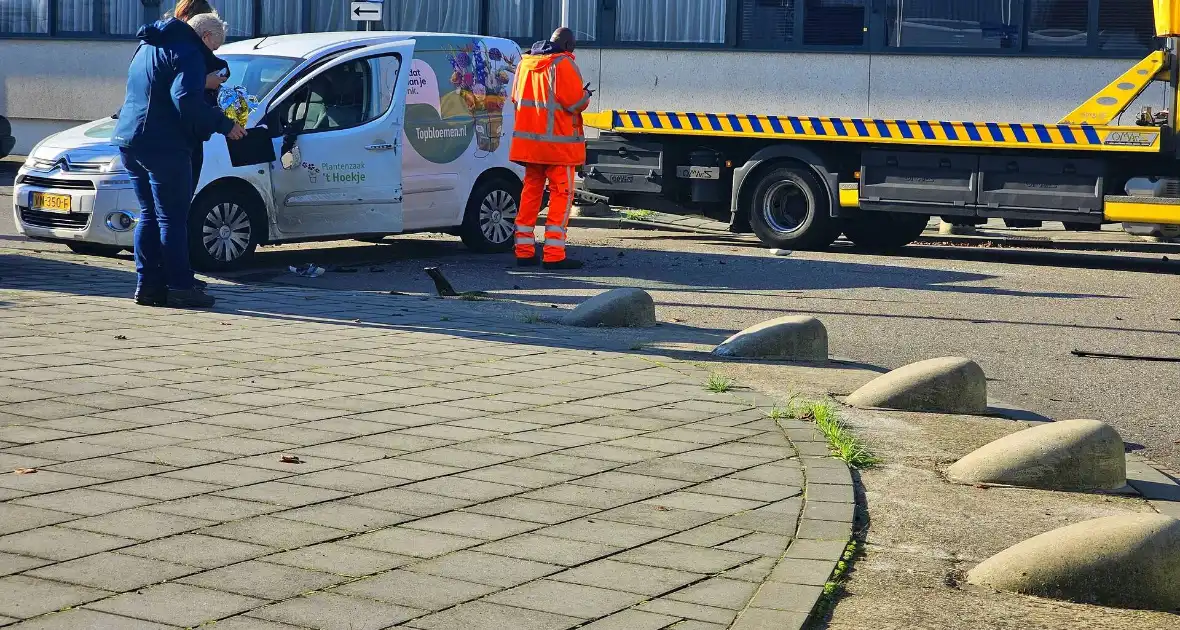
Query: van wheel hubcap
[[226, 232], [497, 216]]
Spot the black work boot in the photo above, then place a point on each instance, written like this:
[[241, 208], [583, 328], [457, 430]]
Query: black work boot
[[562, 265], [528, 262], [151, 296], [191, 298]]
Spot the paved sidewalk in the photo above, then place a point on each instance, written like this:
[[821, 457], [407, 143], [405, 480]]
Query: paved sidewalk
[[313, 459]]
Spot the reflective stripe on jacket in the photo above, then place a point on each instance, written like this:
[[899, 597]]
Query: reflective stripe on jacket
[[550, 97]]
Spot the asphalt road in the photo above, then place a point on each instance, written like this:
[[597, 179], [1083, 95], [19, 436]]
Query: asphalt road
[[1018, 313]]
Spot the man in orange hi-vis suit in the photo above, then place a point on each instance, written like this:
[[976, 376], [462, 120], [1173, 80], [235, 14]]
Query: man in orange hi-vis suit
[[549, 141]]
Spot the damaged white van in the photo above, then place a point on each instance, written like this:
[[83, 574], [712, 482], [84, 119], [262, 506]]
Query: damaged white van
[[374, 134]]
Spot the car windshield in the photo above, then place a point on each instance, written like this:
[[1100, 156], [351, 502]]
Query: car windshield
[[258, 74]]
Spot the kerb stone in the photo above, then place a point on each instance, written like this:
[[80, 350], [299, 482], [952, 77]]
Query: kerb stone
[[800, 338], [1128, 561], [944, 385], [617, 308], [1066, 455]]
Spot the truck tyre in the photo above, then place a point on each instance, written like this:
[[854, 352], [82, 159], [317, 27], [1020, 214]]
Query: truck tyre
[[225, 226], [1073, 226], [885, 231], [789, 209], [94, 249], [489, 223]]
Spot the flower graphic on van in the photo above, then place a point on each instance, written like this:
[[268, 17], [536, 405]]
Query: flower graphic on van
[[482, 76]]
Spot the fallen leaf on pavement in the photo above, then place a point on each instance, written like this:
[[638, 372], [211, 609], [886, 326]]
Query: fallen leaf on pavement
[[290, 459], [24, 471]]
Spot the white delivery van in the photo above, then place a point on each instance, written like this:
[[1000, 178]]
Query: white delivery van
[[376, 133]]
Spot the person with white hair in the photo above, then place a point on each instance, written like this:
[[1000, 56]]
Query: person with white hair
[[211, 29], [164, 114]]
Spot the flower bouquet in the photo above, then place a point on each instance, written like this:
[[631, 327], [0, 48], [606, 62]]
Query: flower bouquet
[[483, 76], [236, 103]]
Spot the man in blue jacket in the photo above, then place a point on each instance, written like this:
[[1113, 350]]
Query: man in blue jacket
[[163, 115]]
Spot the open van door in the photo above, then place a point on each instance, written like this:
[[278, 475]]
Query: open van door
[[340, 166]]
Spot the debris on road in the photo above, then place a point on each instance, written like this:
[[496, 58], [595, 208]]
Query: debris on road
[[1126, 357], [441, 284], [290, 459], [24, 471], [781, 252], [310, 270]]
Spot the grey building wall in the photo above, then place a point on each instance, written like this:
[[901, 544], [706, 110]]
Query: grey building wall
[[49, 85]]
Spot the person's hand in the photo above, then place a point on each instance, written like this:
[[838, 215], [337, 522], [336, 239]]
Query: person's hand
[[237, 133], [213, 80]]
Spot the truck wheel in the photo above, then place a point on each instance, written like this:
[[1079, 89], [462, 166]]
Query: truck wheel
[[885, 231], [225, 226], [790, 210], [489, 223], [1073, 226], [94, 249]]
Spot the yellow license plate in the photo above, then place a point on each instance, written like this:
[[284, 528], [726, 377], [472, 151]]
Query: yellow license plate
[[51, 202]]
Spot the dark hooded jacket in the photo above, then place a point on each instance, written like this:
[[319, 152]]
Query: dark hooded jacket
[[166, 108]]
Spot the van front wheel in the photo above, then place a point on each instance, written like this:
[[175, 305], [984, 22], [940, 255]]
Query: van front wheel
[[489, 223]]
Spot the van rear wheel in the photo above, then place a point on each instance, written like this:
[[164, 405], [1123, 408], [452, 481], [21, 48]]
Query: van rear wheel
[[489, 223]]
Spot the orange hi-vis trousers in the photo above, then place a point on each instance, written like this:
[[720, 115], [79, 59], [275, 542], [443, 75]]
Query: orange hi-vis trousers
[[561, 181]]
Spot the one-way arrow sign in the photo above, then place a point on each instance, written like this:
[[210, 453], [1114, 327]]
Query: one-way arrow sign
[[366, 11]]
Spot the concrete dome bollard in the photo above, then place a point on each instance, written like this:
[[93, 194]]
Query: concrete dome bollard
[[1066, 455], [944, 385], [617, 308], [801, 338], [1129, 561]]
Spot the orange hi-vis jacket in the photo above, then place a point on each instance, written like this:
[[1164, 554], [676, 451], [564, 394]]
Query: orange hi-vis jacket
[[550, 97]]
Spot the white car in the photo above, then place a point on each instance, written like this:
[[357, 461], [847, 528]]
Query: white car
[[374, 134]]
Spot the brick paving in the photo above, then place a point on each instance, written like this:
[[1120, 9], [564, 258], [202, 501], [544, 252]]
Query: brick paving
[[456, 470]]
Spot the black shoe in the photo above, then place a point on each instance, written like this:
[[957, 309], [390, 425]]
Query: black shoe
[[200, 285], [151, 297], [528, 262], [567, 264], [192, 298]]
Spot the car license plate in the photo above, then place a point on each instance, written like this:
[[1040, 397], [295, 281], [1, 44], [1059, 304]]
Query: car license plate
[[51, 202]]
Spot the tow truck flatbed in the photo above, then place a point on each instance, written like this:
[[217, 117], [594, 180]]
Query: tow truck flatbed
[[798, 182], [933, 133]]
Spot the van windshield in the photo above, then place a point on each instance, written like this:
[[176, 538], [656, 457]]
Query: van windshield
[[258, 74]]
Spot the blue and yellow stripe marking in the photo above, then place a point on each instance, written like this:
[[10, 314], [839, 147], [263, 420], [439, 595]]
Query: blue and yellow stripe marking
[[883, 131]]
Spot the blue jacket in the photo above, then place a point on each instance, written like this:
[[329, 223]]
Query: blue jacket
[[165, 108]]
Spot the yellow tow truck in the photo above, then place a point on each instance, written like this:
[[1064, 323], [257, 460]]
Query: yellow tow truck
[[798, 182]]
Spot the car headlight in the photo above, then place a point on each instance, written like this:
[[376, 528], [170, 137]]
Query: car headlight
[[115, 165]]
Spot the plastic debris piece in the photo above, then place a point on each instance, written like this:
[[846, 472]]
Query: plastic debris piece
[[310, 270], [781, 252]]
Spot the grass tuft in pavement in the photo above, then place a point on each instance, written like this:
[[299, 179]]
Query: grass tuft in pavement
[[826, 416], [637, 215], [835, 584], [719, 384]]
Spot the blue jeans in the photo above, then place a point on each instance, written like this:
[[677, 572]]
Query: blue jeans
[[163, 185]]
